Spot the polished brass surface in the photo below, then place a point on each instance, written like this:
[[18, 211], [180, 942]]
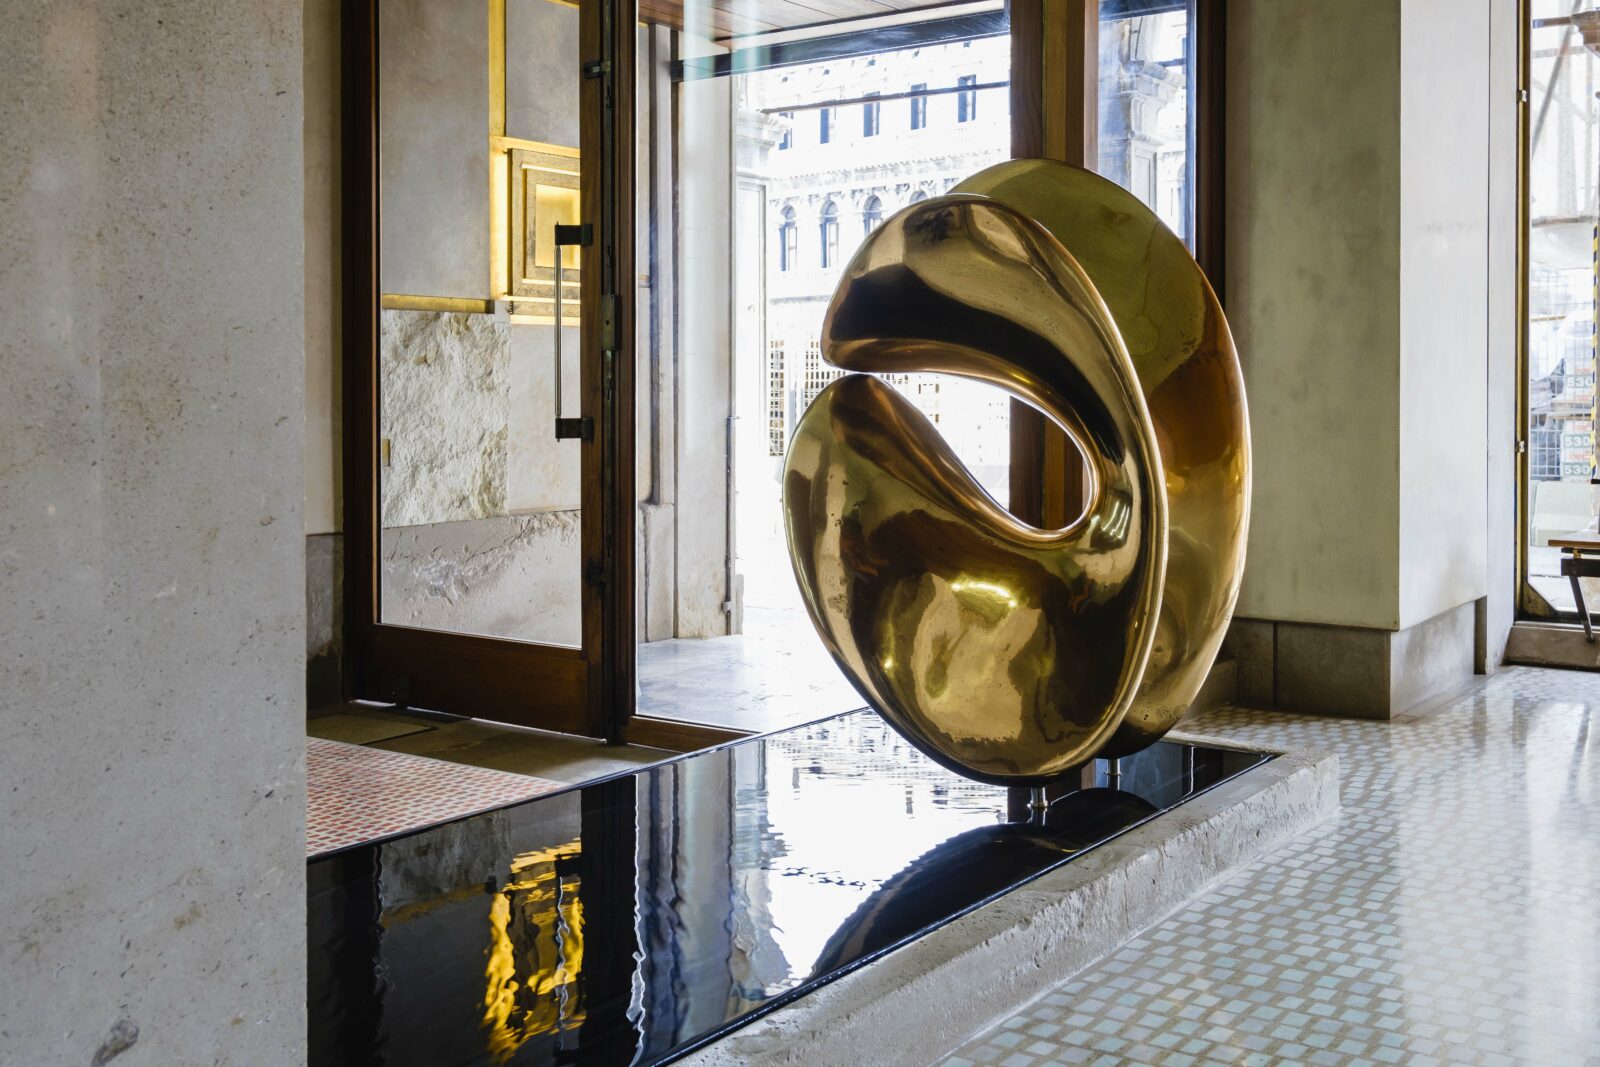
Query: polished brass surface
[[1188, 368], [1009, 653], [1005, 652], [457, 304]]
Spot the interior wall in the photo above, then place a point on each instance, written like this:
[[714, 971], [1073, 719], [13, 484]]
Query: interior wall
[[480, 501], [433, 91], [1501, 370], [1369, 232], [542, 96], [447, 568], [705, 184], [152, 268], [1371, 221], [1444, 302], [324, 417], [322, 223], [1313, 296]]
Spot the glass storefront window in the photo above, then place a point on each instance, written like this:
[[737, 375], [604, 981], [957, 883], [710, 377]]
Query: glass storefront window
[[1563, 180], [776, 175], [1147, 112]]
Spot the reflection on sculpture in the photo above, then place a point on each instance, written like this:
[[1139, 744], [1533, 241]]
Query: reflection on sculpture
[[1006, 652]]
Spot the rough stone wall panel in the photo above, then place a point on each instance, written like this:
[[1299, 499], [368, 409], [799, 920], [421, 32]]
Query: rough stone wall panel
[[446, 385]]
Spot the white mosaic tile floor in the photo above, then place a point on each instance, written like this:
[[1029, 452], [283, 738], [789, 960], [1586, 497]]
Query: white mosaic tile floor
[[1449, 915]]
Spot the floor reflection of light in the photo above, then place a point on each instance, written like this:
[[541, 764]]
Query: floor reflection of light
[[1561, 951], [843, 836]]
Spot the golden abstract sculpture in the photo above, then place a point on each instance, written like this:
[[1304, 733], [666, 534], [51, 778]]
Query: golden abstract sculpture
[[1005, 652]]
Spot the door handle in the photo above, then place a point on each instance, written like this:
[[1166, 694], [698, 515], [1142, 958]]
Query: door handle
[[580, 235]]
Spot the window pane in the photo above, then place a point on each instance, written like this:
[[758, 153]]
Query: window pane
[[1564, 139], [1147, 108], [724, 636]]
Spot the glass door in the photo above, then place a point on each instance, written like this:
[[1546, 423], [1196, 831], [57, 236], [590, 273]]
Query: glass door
[[479, 584]]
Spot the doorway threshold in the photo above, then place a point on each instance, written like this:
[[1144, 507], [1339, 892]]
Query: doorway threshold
[[1551, 644]]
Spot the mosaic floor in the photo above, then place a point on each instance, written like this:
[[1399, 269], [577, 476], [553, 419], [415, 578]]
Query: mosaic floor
[[1449, 915], [356, 794]]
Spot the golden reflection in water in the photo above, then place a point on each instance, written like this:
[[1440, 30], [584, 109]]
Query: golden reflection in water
[[1005, 652], [536, 925]]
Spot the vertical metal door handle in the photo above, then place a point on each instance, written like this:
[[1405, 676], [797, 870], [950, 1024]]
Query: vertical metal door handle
[[583, 427]]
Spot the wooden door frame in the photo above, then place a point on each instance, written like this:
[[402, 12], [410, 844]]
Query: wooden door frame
[[587, 690]]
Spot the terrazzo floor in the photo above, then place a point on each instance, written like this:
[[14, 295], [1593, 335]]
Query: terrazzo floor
[[1449, 915]]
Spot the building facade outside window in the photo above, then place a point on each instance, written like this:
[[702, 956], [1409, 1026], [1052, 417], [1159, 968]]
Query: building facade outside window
[[871, 214], [867, 178], [871, 117], [967, 99], [1145, 102], [824, 125], [830, 234], [919, 106], [788, 234]]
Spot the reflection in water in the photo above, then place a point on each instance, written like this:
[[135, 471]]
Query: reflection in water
[[974, 866], [533, 991], [631, 920]]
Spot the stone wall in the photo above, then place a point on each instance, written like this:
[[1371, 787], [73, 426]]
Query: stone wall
[[152, 272], [479, 500], [1369, 213], [516, 576], [444, 410]]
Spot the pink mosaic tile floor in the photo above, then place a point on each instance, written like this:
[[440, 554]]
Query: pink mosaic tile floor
[[356, 794]]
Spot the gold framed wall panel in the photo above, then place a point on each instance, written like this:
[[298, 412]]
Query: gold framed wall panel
[[543, 188]]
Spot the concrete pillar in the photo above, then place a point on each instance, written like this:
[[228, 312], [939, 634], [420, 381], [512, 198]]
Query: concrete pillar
[[1359, 289], [151, 535]]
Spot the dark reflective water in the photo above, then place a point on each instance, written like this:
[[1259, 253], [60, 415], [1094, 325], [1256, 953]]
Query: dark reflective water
[[631, 920]]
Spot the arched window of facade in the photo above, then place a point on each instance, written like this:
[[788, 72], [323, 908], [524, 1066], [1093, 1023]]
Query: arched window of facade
[[788, 240], [871, 214], [918, 197], [830, 234]]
